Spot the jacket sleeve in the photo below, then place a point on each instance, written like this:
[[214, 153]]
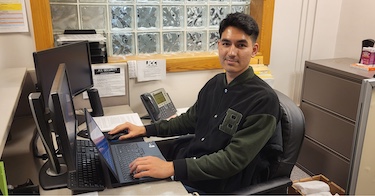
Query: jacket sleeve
[[241, 150], [180, 125]]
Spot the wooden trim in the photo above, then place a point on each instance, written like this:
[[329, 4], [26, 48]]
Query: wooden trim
[[42, 24], [267, 24], [261, 10]]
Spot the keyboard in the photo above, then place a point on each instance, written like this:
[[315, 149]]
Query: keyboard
[[127, 154], [89, 172]]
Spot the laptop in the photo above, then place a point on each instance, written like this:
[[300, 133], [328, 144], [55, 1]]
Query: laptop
[[117, 156]]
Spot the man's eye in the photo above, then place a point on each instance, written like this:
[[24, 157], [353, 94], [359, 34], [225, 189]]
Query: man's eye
[[241, 45]]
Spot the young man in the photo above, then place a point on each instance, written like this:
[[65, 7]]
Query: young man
[[233, 118]]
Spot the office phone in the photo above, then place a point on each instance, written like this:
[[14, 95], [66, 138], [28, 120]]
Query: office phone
[[158, 105]]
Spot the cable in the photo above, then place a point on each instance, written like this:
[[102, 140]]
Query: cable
[[35, 146]]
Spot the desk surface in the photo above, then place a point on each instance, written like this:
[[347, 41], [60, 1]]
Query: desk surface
[[11, 83], [162, 187]]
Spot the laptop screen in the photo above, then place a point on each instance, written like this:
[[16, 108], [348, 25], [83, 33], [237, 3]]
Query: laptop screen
[[102, 144]]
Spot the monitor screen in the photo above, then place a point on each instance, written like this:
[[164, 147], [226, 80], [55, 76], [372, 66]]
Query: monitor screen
[[76, 57], [63, 116]]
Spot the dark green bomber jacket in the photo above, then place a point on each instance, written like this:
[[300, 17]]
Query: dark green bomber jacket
[[231, 124]]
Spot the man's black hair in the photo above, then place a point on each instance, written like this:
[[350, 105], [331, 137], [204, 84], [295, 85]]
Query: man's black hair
[[241, 21]]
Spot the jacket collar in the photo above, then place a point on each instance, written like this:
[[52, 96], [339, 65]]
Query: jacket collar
[[246, 75]]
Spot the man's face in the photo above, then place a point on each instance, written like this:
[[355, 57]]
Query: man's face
[[235, 51]]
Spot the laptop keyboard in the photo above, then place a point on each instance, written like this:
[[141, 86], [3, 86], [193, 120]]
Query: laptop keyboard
[[127, 154], [89, 173]]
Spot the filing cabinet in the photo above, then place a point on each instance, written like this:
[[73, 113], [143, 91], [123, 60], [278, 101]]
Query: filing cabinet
[[329, 101]]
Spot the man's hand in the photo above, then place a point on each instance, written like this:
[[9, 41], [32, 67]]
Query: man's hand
[[152, 167], [133, 130]]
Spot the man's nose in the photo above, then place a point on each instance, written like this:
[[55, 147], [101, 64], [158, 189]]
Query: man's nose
[[232, 50]]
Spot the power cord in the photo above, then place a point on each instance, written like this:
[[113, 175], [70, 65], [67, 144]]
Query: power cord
[[36, 154]]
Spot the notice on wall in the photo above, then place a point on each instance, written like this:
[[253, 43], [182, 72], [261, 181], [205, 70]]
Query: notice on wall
[[108, 79], [13, 16], [151, 70]]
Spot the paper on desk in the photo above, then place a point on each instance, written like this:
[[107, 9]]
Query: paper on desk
[[181, 110], [151, 70], [107, 123]]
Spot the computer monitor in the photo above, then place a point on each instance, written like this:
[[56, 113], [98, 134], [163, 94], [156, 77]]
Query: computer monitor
[[53, 173], [76, 57], [63, 116]]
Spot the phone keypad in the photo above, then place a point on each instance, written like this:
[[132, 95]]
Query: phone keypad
[[167, 111]]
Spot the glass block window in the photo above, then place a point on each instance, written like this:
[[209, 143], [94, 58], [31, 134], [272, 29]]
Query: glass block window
[[134, 27]]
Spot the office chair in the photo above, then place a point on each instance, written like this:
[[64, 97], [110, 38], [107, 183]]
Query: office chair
[[292, 125]]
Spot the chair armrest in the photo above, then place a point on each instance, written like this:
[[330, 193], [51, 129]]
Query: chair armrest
[[266, 187]]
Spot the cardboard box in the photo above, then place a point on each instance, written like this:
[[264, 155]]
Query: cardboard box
[[334, 188]]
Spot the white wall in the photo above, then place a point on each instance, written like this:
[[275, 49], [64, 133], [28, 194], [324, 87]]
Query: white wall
[[355, 25], [302, 30]]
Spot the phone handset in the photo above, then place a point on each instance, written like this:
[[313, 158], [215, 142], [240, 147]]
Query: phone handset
[[151, 106]]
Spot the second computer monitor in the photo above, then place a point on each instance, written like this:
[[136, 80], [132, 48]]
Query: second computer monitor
[[63, 116], [76, 57]]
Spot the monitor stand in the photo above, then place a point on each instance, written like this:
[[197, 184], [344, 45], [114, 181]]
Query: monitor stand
[[53, 173], [82, 133], [49, 180]]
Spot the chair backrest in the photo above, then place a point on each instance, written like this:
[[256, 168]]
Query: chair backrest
[[292, 125]]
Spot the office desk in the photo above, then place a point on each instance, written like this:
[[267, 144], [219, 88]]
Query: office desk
[[11, 83], [162, 187]]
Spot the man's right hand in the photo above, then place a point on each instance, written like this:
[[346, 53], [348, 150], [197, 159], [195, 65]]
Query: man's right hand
[[133, 130]]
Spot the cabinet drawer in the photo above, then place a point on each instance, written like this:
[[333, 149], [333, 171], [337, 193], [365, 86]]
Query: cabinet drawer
[[331, 92], [316, 160], [334, 132]]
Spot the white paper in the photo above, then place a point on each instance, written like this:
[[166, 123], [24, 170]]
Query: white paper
[[79, 37], [108, 79], [151, 70], [107, 123], [132, 67], [13, 16], [181, 111]]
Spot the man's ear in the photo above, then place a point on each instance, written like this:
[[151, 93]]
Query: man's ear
[[255, 50]]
